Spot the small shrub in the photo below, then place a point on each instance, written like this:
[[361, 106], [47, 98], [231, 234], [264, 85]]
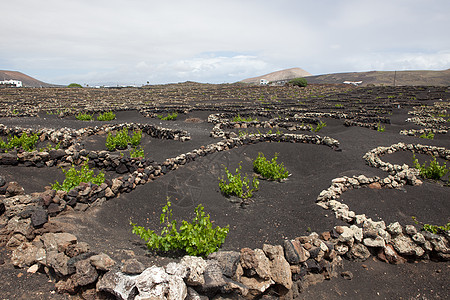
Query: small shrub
[[122, 139], [319, 126], [301, 82], [74, 85], [380, 128], [197, 238], [433, 171], [106, 116], [136, 138], [74, 177], [238, 118], [137, 152], [51, 147], [429, 136], [84, 117], [339, 105], [236, 185], [169, 117], [25, 142], [270, 170]]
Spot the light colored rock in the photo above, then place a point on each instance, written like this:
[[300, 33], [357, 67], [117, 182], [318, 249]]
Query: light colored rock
[[58, 241], [279, 267], [263, 266], [102, 262], [418, 238], [24, 255], [256, 286], [410, 229], [346, 236], [395, 228], [33, 269], [357, 233], [341, 249], [404, 245], [155, 283], [195, 266], [377, 242], [120, 285], [392, 256], [370, 224], [176, 269]]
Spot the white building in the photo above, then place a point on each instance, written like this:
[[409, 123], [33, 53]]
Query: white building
[[263, 82], [16, 83]]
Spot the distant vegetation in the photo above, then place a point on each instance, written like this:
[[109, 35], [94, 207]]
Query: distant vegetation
[[74, 85], [301, 82]]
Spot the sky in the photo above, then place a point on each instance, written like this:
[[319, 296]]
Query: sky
[[111, 42]]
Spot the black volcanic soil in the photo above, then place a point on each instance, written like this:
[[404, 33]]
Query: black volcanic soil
[[276, 212]]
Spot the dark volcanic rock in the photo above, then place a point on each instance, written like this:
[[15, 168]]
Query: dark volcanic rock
[[8, 159], [57, 154], [39, 217]]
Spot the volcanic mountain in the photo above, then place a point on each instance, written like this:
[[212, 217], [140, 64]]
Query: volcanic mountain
[[279, 75], [27, 81]]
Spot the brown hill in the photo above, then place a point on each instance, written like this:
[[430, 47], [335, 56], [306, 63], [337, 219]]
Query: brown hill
[[27, 81], [279, 75], [437, 78]]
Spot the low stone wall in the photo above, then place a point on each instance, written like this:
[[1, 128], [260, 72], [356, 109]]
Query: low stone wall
[[393, 243]]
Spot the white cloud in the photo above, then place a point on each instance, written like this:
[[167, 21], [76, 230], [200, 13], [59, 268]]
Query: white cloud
[[209, 41]]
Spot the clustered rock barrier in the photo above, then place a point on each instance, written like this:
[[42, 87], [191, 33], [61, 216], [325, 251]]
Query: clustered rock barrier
[[282, 270], [391, 243]]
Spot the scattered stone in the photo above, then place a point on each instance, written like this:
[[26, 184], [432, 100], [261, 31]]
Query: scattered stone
[[14, 189], [33, 269], [347, 275], [102, 262]]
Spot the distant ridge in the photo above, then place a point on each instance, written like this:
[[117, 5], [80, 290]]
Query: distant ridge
[[279, 75], [418, 77], [27, 81]]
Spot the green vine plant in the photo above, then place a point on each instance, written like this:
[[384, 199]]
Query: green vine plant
[[320, 125], [197, 238], [106, 116], [74, 177], [238, 118], [270, 169], [137, 152], [122, 139], [433, 171], [25, 142], [235, 185], [84, 117], [50, 147], [433, 228], [169, 117], [429, 136], [380, 128]]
